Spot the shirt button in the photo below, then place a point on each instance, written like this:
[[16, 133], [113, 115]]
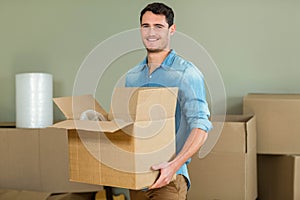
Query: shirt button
[[150, 76]]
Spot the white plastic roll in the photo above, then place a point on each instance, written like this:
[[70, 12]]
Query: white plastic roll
[[34, 107]]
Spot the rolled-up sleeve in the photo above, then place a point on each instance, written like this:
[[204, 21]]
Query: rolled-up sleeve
[[192, 97]]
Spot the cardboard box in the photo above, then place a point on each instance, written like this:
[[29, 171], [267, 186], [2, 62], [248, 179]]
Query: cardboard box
[[37, 160], [23, 195], [139, 133], [278, 122], [229, 171], [278, 177], [33, 195]]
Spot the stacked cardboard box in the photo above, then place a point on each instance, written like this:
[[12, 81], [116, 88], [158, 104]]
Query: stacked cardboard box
[[228, 172], [278, 147], [279, 177]]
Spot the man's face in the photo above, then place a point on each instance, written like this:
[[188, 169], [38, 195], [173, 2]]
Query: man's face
[[156, 32]]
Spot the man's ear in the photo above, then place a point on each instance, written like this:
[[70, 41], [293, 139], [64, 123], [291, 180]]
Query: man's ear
[[172, 29]]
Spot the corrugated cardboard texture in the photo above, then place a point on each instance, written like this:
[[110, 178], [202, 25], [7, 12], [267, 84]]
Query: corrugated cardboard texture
[[88, 149], [85, 167], [37, 159], [102, 126], [22, 195], [278, 177], [73, 106], [33, 195], [143, 104], [228, 172], [120, 152], [278, 122], [19, 153]]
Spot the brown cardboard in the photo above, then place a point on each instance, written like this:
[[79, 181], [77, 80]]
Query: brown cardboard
[[278, 122], [81, 103], [23, 195], [278, 177], [228, 172], [120, 152], [33, 195], [37, 160], [19, 159]]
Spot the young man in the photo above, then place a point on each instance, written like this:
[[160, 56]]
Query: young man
[[164, 68]]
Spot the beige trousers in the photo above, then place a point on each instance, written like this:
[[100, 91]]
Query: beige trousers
[[175, 190]]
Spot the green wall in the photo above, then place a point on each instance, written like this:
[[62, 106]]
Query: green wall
[[255, 44]]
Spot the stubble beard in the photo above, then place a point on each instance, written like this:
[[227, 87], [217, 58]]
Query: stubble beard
[[154, 50], [157, 49]]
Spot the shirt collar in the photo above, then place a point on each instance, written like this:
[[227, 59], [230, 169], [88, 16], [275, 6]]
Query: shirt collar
[[166, 64]]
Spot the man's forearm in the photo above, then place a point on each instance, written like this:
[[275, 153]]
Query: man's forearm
[[195, 140], [168, 169]]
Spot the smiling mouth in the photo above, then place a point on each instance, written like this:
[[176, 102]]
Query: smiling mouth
[[152, 39]]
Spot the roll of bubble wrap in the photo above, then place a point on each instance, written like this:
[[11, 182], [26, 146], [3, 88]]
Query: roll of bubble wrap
[[34, 107]]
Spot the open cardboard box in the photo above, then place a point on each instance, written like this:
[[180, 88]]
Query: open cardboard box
[[139, 133], [229, 170]]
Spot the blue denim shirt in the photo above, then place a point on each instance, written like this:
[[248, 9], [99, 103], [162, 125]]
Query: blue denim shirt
[[192, 109]]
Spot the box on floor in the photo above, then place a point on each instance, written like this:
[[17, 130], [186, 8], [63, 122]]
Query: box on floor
[[229, 171], [278, 177], [33, 195], [278, 122], [140, 132], [37, 159]]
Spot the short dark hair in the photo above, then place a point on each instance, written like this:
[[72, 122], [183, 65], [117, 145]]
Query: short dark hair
[[159, 9]]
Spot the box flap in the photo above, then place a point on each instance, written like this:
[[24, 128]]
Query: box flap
[[73, 106], [251, 134], [156, 104], [123, 103], [232, 118], [233, 137], [95, 126], [143, 104], [266, 96], [297, 177]]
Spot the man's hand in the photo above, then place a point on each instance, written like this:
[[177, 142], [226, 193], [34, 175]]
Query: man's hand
[[195, 140], [167, 172]]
